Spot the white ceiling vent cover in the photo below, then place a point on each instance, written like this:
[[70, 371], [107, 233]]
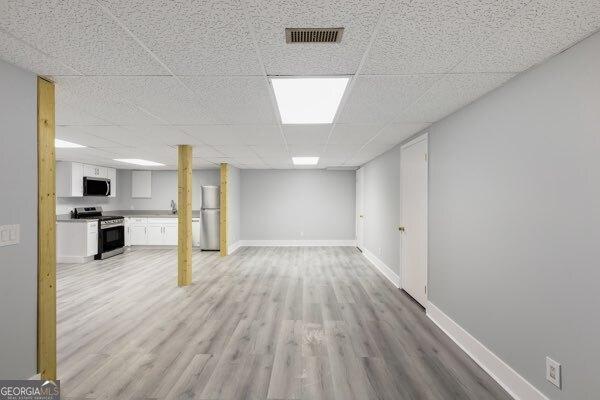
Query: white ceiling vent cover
[[313, 35]]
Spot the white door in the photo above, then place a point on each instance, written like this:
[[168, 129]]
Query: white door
[[413, 173], [360, 207], [137, 235]]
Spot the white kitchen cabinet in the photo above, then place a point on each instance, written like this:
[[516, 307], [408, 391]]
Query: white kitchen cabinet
[[95, 171], [170, 234], [155, 235], [138, 228], [137, 235], [141, 184], [127, 223], [111, 174], [162, 231], [69, 179], [92, 238], [76, 241]]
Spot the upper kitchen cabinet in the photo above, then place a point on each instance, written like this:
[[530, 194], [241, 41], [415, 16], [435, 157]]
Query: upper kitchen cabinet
[[111, 174], [69, 178], [95, 171], [141, 184]]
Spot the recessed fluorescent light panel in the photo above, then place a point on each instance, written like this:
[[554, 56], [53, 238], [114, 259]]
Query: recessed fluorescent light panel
[[305, 160], [308, 100], [63, 144], [137, 161]]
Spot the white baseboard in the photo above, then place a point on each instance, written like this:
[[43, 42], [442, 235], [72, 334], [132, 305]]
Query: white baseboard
[[233, 247], [517, 386], [386, 271], [73, 259], [302, 243]]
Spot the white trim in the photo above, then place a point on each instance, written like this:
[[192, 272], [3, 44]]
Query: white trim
[[303, 243], [415, 140], [233, 247], [73, 259], [382, 267], [517, 386]]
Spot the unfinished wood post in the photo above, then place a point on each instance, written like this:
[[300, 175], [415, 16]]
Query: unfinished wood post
[[184, 234], [46, 351], [223, 209]]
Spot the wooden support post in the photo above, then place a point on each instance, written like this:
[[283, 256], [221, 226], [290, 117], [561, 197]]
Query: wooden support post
[[184, 179], [223, 211], [46, 350]]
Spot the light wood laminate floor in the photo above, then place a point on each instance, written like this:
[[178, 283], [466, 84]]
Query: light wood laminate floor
[[264, 323]]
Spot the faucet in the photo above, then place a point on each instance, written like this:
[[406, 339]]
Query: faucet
[[173, 207]]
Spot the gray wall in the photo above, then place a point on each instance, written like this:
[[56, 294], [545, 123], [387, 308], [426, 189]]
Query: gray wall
[[164, 189], [233, 205], [18, 205], [382, 208], [297, 205], [514, 217]]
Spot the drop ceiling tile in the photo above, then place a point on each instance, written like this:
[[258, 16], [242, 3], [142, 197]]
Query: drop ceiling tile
[[19, 53], [540, 30], [306, 134], [351, 134], [306, 150], [234, 99], [67, 114], [235, 134], [396, 133], [270, 18], [76, 134], [100, 100], [373, 149], [236, 151], [198, 163], [265, 152], [202, 151], [341, 150], [379, 99], [432, 36], [164, 97], [79, 34], [115, 134], [86, 155], [451, 93], [161, 134], [192, 37]]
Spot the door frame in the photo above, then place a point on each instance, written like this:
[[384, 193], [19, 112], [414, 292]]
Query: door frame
[[418, 139]]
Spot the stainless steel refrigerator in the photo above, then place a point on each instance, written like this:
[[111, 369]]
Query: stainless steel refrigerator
[[209, 218]]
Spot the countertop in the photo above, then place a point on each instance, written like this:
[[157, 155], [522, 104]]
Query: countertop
[[129, 214]]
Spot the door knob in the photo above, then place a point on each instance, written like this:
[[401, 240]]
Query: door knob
[[361, 216], [401, 229]]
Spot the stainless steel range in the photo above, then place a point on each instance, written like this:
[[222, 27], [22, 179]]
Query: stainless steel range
[[111, 231]]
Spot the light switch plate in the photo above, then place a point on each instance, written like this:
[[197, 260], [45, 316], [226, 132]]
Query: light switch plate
[[9, 235], [553, 372]]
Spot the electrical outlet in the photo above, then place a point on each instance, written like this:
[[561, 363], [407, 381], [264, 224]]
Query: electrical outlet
[[380, 252], [301, 233], [553, 372]]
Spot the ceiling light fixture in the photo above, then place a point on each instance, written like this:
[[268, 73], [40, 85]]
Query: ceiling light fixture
[[305, 160], [63, 144], [137, 161], [308, 100]]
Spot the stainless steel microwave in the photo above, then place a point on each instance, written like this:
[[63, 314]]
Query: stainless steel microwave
[[96, 186]]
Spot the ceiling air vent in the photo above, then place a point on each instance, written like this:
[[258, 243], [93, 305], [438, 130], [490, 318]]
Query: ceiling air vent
[[313, 35]]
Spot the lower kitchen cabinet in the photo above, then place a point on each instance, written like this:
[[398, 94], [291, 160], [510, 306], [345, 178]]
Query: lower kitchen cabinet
[[76, 242], [151, 231]]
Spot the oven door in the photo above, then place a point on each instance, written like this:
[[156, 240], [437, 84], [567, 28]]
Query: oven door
[[111, 238]]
